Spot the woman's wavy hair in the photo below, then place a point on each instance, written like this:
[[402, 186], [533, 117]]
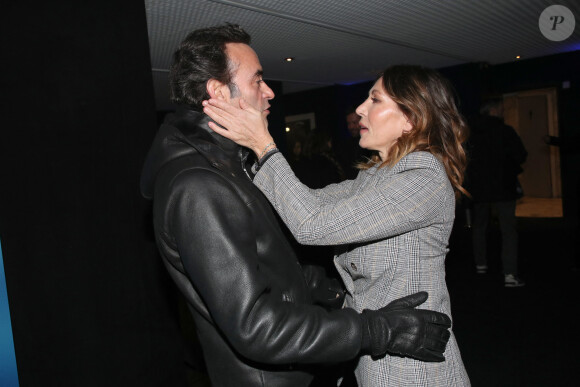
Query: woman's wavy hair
[[428, 101], [200, 57]]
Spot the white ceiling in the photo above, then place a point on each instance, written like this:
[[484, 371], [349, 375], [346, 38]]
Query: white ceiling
[[349, 41]]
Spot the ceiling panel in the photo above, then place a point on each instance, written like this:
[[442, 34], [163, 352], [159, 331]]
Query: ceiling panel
[[346, 41]]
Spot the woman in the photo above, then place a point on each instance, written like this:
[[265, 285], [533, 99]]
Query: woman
[[391, 224]]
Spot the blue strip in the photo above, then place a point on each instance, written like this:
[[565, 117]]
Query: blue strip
[[8, 372]]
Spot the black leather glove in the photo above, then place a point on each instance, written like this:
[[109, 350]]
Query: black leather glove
[[400, 329], [325, 291]]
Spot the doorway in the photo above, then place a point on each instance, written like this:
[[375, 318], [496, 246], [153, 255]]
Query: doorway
[[533, 114]]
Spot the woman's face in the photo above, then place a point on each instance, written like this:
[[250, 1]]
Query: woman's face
[[382, 122]]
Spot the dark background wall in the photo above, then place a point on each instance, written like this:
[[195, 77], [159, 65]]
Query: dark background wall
[[89, 299], [328, 104]]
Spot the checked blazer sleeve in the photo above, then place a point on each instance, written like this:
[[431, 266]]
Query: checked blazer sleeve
[[405, 197]]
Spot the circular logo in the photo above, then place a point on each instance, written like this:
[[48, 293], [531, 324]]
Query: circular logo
[[557, 23]]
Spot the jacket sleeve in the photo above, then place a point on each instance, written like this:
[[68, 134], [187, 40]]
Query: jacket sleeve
[[214, 234], [324, 290], [411, 198], [514, 147]]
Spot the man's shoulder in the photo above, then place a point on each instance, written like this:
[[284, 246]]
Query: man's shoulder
[[191, 173], [197, 171], [186, 164]]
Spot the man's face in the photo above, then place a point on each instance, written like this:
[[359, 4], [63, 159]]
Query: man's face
[[247, 76], [352, 124]]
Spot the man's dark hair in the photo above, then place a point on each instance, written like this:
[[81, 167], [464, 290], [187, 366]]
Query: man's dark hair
[[200, 57], [490, 103], [350, 109]]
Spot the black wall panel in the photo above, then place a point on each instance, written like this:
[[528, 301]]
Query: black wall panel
[[90, 302]]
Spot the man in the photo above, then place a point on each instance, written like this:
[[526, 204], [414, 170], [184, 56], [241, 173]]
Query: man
[[349, 152], [353, 122], [496, 153], [250, 299]]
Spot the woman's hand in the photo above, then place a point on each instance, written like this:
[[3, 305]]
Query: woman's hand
[[245, 126]]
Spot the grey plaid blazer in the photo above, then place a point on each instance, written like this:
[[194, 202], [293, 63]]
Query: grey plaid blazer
[[391, 227]]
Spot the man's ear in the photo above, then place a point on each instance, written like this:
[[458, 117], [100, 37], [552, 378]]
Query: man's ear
[[217, 90]]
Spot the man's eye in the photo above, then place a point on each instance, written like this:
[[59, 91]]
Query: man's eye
[[259, 81]]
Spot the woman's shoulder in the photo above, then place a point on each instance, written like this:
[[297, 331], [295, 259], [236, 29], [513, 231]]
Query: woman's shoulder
[[419, 159]]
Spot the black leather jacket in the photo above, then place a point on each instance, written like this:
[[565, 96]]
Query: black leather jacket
[[225, 250]]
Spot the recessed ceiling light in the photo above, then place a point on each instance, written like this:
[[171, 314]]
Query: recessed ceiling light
[[518, 56], [289, 59]]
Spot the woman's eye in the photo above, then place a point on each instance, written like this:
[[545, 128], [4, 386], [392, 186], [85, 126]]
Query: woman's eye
[[374, 100]]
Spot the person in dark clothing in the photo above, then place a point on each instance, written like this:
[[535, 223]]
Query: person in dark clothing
[[252, 302], [348, 151], [318, 166], [496, 153]]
